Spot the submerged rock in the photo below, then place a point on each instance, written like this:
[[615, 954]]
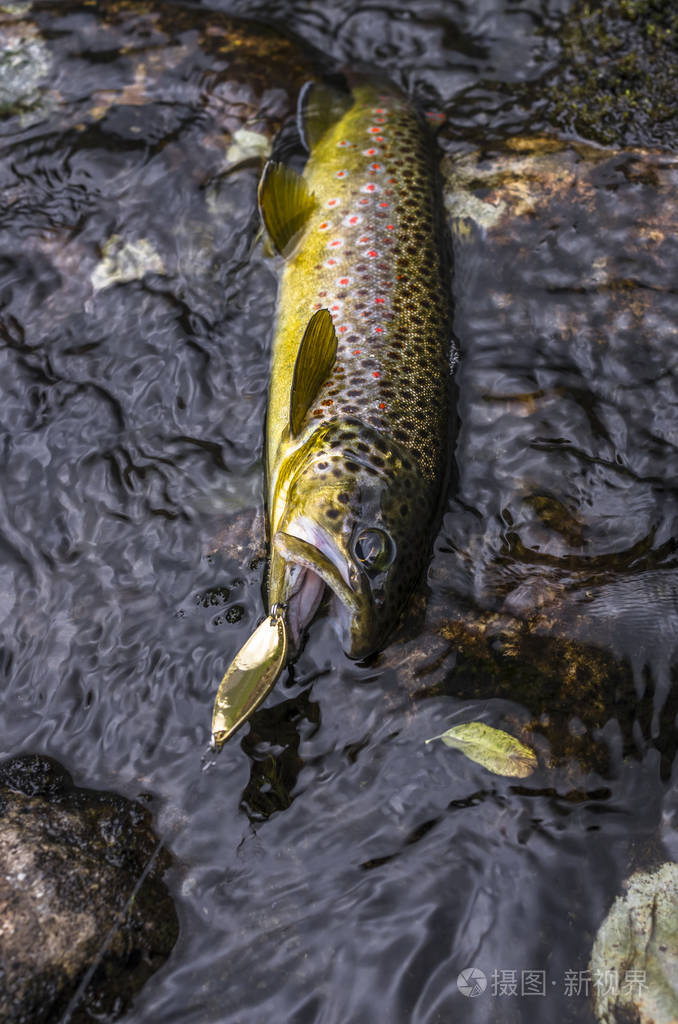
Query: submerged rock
[[125, 261], [25, 63], [554, 582], [166, 138], [84, 916], [238, 78]]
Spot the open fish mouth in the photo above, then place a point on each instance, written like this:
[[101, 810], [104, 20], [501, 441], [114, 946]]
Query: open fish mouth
[[313, 563]]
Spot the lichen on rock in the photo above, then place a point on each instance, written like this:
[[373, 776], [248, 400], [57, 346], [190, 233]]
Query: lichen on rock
[[636, 947]]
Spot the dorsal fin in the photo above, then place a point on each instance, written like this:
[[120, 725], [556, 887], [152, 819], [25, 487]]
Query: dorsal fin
[[315, 359], [285, 203], [319, 107]]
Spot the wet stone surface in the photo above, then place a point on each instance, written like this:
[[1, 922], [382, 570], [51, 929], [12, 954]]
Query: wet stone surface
[[85, 918], [638, 941]]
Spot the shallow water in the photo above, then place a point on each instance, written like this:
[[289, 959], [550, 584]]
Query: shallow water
[[330, 867]]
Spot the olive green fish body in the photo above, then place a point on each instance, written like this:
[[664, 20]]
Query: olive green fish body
[[354, 490], [357, 422]]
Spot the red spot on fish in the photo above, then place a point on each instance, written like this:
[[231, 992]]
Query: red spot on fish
[[379, 138], [390, 227], [331, 263], [375, 167], [340, 174], [370, 188], [380, 120], [353, 220], [370, 152], [335, 309], [379, 110], [356, 351], [372, 252], [335, 243], [384, 204], [382, 405], [379, 330], [374, 131], [343, 280], [376, 373], [364, 239], [379, 299], [332, 202], [324, 226], [363, 201], [343, 328]]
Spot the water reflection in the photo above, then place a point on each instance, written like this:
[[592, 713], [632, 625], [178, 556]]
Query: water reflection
[[333, 867]]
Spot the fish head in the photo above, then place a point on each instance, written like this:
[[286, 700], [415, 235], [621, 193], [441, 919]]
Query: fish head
[[358, 518]]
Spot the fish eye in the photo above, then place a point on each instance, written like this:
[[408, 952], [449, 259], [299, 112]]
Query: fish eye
[[374, 549]]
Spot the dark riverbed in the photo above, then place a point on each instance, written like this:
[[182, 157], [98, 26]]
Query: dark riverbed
[[329, 866]]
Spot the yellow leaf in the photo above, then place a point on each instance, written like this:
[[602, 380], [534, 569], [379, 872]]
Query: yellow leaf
[[494, 749]]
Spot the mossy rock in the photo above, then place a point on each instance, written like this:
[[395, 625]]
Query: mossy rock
[[617, 83]]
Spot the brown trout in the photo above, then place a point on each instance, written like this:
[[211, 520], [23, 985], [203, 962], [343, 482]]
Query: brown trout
[[358, 411]]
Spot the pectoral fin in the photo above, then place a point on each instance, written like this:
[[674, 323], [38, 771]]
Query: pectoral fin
[[285, 204], [318, 108], [315, 359], [249, 678]]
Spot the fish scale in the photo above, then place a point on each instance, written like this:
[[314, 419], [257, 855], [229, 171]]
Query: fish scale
[[375, 254]]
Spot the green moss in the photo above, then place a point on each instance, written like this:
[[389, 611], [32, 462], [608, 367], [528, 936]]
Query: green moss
[[616, 83]]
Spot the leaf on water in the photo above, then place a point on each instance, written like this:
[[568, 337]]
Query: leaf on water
[[494, 749]]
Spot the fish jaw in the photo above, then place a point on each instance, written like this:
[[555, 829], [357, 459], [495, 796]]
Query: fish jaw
[[305, 563]]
